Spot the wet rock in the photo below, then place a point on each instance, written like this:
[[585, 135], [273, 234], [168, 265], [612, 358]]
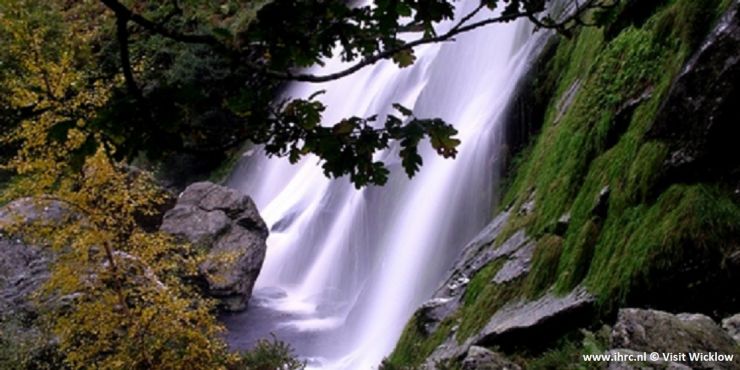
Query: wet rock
[[477, 254], [732, 326], [511, 245], [532, 321], [567, 100], [517, 265], [433, 311], [525, 112], [528, 207], [227, 225], [480, 358], [650, 331], [698, 119], [623, 117], [450, 349]]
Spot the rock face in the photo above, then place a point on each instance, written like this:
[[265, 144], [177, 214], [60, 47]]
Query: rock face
[[517, 264], [699, 117], [226, 224], [27, 211], [475, 255], [548, 316], [657, 331], [24, 268]]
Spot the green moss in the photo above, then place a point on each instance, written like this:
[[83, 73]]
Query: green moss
[[480, 281], [544, 265], [564, 356], [580, 151], [483, 298], [568, 352], [685, 221], [644, 171], [415, 346], [689, 20], [575, 261]]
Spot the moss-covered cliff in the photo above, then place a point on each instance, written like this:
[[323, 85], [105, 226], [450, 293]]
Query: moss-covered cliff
[[628, 190]]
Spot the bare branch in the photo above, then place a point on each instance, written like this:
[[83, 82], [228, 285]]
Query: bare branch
[[388, 53], [466, 18]]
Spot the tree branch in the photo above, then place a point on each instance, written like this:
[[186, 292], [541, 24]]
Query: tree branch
[[459, 28], [466, 18], [157, 28], [128, 74]]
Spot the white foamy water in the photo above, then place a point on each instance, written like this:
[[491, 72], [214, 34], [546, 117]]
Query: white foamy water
[[345, 268]]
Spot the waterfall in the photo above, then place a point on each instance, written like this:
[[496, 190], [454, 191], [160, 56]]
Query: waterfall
[[345, 268]]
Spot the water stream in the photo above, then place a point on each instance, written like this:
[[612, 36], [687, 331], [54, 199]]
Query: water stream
[[345, 268]]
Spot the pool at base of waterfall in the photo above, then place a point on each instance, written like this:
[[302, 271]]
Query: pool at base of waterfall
[[273, 313]]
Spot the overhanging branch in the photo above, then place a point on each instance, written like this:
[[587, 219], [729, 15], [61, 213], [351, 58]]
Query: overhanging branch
[[461, 27]]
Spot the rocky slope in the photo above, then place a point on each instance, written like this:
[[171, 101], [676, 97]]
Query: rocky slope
[[626, 197]]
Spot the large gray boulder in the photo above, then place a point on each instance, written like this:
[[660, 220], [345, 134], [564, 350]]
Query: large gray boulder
[[650, 331], [224, 223]]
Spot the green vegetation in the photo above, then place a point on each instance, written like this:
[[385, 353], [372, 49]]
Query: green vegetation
[[89, 87], [544, 265], [621, 73], [687, 221], [584, 151], [269, 355], [483, 298], [414, 346], [568, 352], [200, 78]]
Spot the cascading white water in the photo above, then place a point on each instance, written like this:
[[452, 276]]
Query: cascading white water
[[345, 269]]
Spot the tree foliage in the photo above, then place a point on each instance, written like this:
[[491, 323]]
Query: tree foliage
[[201, 77], [284, 36], [128, 304]]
